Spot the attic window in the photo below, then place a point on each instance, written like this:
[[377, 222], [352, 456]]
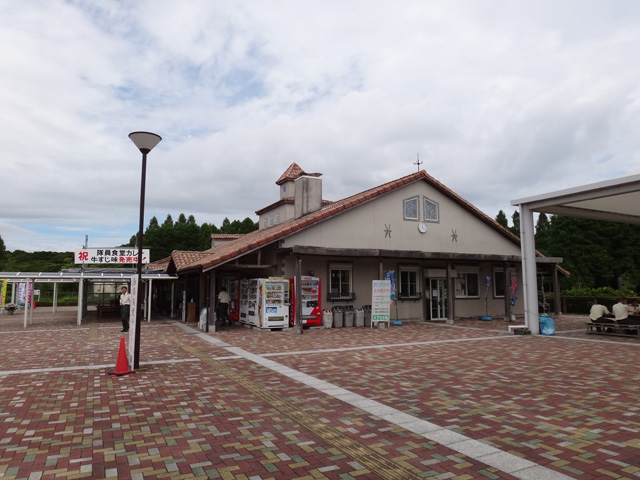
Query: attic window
[[411, 208], [431, 210]]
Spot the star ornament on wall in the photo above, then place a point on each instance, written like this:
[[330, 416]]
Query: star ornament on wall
[[387, 230], [454, 235]]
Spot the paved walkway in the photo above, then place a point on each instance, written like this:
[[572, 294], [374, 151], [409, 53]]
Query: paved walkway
[[418, 401]]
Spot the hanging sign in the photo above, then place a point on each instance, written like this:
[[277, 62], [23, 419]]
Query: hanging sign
[[118, 255]]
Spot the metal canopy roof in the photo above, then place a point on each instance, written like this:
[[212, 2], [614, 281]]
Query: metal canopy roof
[[60, 277], [615, 200]]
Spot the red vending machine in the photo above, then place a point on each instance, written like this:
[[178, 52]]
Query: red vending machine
[[234, 300], [310, 298]]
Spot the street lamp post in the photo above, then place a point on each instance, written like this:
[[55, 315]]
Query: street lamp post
[[145, 141]]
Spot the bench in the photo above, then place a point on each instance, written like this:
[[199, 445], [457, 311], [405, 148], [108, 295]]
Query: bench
[[107, 310], [613, 329]]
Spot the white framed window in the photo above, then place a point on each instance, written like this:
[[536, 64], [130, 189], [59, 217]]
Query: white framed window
[[271, 219], [277, 216], [410, 209], [499, 282], [467, 282], [340, 281], [430, 210], [409, 285]]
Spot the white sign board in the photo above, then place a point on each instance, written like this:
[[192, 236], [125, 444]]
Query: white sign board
[[380, 301], [118, 255]]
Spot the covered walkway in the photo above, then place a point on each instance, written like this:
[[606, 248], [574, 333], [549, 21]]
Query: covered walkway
[[82, 278], [616, 200]]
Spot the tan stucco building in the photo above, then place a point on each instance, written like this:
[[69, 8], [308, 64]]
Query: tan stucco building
[[442, 250]]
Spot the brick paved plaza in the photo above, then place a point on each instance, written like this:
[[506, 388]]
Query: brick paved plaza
[[417, 401]]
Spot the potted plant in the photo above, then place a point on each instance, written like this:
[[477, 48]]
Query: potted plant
[[10, 308]]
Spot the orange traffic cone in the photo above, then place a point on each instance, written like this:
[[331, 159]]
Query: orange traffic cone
[[122, 365]]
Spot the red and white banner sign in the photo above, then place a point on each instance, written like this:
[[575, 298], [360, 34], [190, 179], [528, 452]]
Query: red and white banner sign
[[118, 255]]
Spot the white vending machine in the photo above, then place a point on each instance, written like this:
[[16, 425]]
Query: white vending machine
[[266, 303]]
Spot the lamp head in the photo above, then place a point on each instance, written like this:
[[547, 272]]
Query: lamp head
[[145, 141]]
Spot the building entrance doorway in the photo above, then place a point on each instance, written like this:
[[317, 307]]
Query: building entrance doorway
[[438, 294]]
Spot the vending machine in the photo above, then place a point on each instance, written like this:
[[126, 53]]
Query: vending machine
[[266, 303], [310, 298], [233, 288], [248, 308]]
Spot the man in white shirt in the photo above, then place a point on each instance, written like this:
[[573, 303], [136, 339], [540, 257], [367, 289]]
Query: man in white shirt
[[620, 310], [125, 307], [223, 306], [598, 311]]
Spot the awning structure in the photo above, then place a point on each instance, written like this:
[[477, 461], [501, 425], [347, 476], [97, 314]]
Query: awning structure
[[18, 277], [80, 276], [616, 200]]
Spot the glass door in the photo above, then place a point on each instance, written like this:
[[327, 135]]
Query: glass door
[[438, 294]]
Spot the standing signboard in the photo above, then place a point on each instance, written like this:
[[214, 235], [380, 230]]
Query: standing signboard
[[380, 301]]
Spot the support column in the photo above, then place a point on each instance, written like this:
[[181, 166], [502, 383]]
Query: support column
[[173, 299], [55, 297], [507, 289], [211, 317], [149, 290], [529, 277], [557, 301], [450, 290], [80, 300], [26, 303]]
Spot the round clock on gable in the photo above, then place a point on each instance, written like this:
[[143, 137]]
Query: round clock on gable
[[422, 227]]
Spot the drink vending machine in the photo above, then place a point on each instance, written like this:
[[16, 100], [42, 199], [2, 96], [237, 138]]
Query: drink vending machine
[[263, 302], [310, 297], [234, 299]]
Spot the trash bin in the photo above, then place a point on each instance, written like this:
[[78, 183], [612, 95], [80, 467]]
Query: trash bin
[[338, 315], [367, 315], [359, 317], [327, 318], [547, 325], [348, 315]]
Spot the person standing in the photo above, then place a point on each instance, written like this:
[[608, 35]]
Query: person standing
[[223, 306], [125, 309]]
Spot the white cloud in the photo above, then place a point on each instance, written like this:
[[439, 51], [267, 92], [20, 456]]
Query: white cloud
[[499, 102]]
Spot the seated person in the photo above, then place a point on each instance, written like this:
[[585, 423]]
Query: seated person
[[621, 314], [599, 314], [632, 308]]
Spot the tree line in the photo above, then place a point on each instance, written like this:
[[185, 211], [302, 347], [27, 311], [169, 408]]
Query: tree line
[[186, 234], [596, 253], [161, 239]]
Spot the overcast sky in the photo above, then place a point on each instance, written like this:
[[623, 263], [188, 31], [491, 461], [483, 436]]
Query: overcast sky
[[500, 99]]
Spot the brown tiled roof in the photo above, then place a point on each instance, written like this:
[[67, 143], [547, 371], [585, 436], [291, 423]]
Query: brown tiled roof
[[226, 236], [161, 264], [294, 171], [260, 238], [185, 261]]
